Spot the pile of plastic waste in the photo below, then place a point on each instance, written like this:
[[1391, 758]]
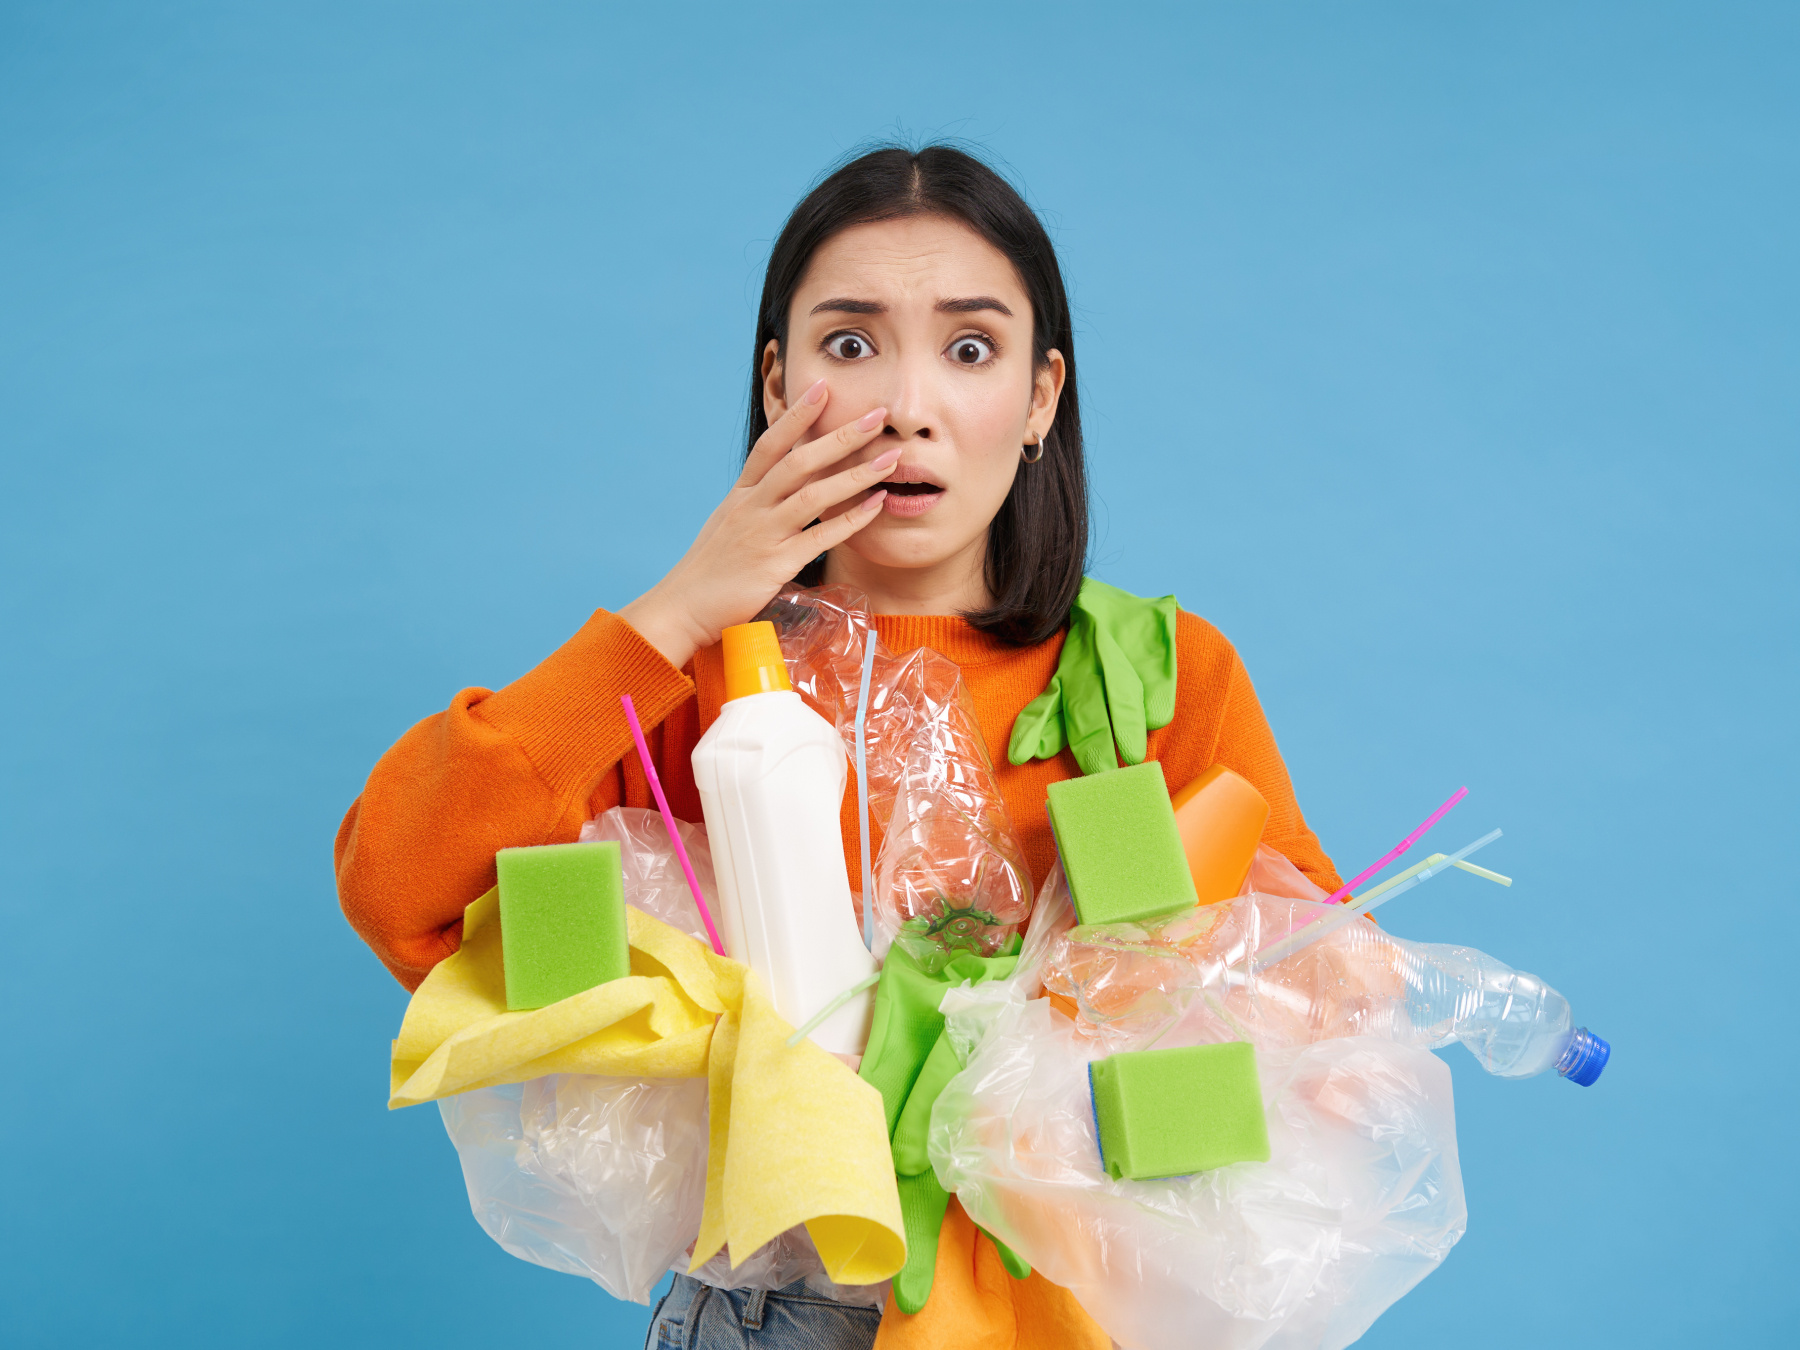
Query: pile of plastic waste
[[1360, 1196]]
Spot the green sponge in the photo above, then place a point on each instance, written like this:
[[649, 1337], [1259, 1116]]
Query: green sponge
[[1120, 846], [1165, 1113], [562, 921]]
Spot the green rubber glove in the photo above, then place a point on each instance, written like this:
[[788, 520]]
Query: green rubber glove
[[909, 1060], [1115, 682], [922, 1199], [1016, 1266]]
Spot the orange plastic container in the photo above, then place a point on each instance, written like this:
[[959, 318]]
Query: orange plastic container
[[1221, 818]]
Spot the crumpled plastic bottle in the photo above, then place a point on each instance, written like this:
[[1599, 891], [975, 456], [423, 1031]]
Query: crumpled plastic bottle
[[948, 872]]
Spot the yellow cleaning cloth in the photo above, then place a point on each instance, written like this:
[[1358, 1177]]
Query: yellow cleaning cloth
[[767, 1171], [795, 1136]]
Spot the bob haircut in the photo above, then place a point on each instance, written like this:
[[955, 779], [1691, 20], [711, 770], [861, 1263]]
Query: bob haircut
[[1037, 544]]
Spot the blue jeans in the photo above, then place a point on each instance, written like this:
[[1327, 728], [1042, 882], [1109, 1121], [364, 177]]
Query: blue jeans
[[695, 1316]]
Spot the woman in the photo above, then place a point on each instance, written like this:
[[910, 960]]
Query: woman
[[915, 433]]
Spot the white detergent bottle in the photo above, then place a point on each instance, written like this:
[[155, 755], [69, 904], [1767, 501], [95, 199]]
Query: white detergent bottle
[[771, 775]]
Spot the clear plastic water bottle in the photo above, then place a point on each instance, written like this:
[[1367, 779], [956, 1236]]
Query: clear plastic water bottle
[[1512, 1022], [1286, 972]]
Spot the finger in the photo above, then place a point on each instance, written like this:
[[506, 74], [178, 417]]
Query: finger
[[1159, 687], [1124, 698], [783, 432], [1038, 731], [828, 534], [1145, 632], [1084, 700], [1016, 1266], [804, 461], [814, 499]]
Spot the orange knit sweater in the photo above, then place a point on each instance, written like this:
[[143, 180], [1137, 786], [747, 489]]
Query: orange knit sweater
[[528, 764]]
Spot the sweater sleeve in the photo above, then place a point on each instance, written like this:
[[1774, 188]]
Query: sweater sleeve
[[1247, 747], [1219, 720], [524, 765]]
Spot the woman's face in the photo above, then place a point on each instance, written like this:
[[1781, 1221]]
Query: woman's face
[[924, 317]]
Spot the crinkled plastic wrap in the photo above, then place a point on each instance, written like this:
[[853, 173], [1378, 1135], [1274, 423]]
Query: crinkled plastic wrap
[[949, 874], [600, 1177], [777, 1264], [605, 1177], [1361, 1198], [1293, 970], [654, 882]]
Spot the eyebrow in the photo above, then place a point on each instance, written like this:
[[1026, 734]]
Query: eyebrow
[[971, 305], [842, 304]]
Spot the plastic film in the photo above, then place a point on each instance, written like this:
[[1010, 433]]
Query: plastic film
[[1130, 981], [605, 1177], [949, 874], [1362, 1195]]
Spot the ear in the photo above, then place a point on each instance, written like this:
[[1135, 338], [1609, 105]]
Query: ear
[[774, 387], [1046, 393]]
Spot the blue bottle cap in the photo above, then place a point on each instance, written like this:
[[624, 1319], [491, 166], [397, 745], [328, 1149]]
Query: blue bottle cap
[[1584, 1058]]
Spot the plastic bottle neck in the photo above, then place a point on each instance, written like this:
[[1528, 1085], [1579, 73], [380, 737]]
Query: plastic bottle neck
[[1583, 1058], [753, 662]]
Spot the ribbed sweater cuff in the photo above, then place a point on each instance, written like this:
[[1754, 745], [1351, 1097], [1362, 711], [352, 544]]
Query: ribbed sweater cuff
[[565, 713]]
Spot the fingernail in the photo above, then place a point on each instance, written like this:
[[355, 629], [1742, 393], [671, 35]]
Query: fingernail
[[869, 421], [816, 393], [888, 460], [875, 500]]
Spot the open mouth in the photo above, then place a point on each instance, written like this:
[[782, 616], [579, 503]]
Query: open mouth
[[908, 495]]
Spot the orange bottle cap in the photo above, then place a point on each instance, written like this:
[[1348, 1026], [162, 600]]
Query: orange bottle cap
[[753, 663], [1221, 819]]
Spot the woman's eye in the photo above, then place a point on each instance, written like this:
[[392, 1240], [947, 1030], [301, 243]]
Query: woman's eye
[[971, 351], [849, 346]]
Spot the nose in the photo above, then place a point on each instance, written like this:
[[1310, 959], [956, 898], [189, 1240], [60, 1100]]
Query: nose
[[910, 405], [905, 428]]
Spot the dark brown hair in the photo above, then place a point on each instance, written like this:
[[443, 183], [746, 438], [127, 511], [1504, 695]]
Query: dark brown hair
[[1037, 544]]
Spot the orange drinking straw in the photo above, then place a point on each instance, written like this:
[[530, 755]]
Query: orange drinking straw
[[662, 804]]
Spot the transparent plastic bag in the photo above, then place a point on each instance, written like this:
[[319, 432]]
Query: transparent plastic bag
[[593, 1176], [948, 873], [599, 1177], [1361, 1198], [605, 1177], [779, 1263], [654, 882]]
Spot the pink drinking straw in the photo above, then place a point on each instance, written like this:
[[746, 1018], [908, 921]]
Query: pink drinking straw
[[1363, 876], [662, 804]]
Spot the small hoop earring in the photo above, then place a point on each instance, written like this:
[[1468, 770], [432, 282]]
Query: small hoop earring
[[1042, 441]]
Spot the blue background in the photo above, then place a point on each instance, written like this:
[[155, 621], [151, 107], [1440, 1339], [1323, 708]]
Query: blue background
[[1444, 356]]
